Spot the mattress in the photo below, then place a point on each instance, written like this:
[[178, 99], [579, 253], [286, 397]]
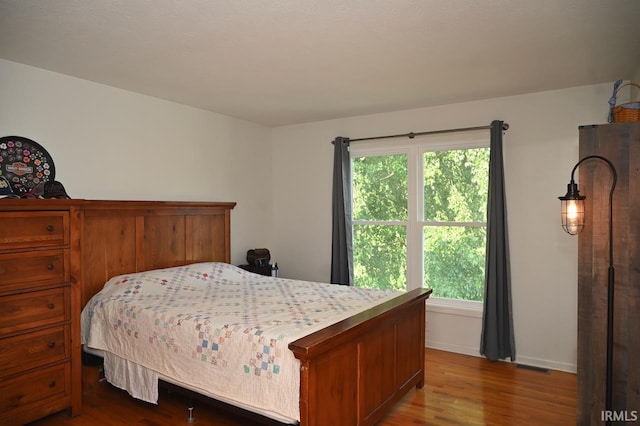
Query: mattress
[[215, 329]]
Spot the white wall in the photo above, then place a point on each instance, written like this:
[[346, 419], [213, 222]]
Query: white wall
[[108, 143], [540, 149]]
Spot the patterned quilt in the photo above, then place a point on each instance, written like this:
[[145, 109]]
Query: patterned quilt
[[219, 328]]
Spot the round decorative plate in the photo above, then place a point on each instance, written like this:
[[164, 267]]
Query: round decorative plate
[[25, 163]]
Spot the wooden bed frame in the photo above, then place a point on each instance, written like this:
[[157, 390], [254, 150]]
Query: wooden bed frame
[[352, 372]]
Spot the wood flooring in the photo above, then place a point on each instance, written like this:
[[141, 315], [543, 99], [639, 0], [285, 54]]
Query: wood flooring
[[459, 390]]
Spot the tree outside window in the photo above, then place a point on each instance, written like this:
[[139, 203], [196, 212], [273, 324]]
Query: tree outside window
[[448, 210], [380, 215]]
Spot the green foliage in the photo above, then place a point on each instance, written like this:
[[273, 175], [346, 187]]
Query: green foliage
[[455, 185], [380, 187], [380, 194], [455, 190], [454, 261], [380, 260]]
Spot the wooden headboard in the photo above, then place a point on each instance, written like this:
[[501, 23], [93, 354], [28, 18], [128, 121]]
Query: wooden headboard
[[119, 237]]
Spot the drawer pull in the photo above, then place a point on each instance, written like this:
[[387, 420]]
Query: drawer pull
[[52, 384], [52, 345], [50, 267], [51, 306], [50, 228]]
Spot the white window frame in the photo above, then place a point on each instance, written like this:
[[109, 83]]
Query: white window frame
[[414, 224]]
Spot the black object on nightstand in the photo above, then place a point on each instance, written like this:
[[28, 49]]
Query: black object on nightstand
[[258, 262]]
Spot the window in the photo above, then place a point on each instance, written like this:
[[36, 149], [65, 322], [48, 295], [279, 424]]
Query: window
[[419, 215], [380, 214]]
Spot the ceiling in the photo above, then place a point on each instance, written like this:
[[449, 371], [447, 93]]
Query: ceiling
[[280, 62]]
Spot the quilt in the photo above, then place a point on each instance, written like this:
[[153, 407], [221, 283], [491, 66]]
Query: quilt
[[218, 328]]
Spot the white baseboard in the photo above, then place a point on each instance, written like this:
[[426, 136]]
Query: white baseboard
[[525, 360], [448, 347], [545, 363]]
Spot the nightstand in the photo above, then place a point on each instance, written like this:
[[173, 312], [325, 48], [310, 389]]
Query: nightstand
[[262, 270]]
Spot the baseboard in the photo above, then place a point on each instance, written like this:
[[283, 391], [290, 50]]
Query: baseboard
[[525, 360], [545, 363], [448, 347]]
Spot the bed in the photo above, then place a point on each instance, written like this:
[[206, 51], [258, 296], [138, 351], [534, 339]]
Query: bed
[[350, 371]]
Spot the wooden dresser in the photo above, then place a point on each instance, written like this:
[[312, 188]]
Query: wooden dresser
[[55, 255], [37, 314]]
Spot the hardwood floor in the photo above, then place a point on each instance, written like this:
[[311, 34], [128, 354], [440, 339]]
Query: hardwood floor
[[459, 390], [465, 390]]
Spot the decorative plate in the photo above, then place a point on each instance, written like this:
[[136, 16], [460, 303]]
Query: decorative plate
[[25, 163]]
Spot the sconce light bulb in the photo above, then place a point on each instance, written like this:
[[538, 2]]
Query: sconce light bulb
[[572, 210]]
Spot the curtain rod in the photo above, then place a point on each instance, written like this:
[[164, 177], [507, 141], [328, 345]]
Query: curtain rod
[[412, 135]]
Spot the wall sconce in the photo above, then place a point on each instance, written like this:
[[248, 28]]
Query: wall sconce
[[572, 210]]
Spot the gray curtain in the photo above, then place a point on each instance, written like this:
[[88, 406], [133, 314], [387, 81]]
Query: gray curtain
[[342, 233], [497, 340]]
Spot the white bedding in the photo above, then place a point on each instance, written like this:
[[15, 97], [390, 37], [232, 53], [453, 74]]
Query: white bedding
[[217, 329]]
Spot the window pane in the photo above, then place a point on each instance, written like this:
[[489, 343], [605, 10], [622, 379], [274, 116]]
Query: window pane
[[380, 256], [380, 187], [456, 184], [454, 261]]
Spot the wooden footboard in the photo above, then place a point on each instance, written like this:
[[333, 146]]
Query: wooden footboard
[[353, 372]]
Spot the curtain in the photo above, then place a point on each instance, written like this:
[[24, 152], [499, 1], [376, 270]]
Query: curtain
[[497, 341], [342, 232]]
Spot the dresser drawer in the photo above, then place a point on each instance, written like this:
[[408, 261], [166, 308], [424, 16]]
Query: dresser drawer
[[32, 350], [49, 266], [33, 229], [34, 309], [38, 387]]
